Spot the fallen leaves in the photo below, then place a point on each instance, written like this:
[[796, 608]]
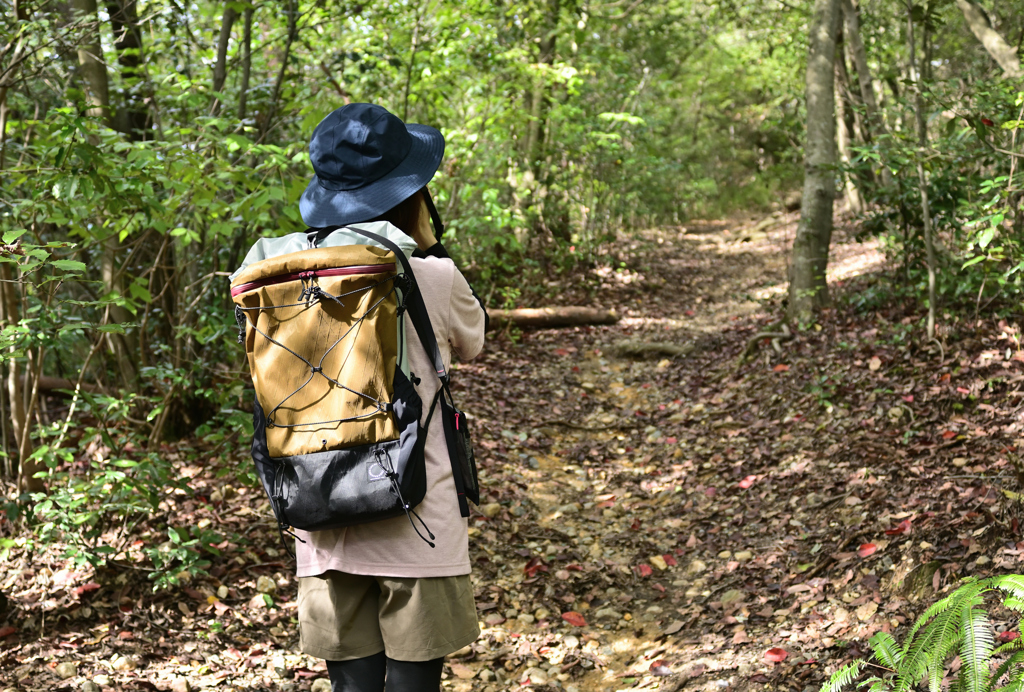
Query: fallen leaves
[[776, 655], [575, 619]]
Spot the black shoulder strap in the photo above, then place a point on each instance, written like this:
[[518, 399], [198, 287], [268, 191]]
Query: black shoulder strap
[[415, 306]]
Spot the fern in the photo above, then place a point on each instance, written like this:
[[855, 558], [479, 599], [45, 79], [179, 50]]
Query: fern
[[886, 650], [956, 624], [1008, 666], [976, 650], [843, 677]]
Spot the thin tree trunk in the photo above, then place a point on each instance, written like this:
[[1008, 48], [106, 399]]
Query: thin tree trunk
[[243, 92], [90, 60], [922, 140], [808, 288], [220, 67], [855, 44], [124, 20], [293, 30], [854, 201], [1002, 52]]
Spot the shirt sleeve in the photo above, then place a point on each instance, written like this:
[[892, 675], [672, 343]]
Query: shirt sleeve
[[466, 319]]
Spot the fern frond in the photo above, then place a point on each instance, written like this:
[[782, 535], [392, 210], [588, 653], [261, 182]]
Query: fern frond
[[976, 649], [935, 670], [915, 662], [1009, 583], [1008, 665], [971, 588], [1016, 683], [886, 650], [877, 685], [1009, 647], [1014, 603], [843, 677]]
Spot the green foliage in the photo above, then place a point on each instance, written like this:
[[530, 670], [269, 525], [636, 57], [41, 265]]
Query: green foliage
[[957, 626]]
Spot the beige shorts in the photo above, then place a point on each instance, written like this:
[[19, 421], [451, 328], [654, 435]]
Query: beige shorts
[[345, 616]]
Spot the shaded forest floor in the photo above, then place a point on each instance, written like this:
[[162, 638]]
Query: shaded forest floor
[[649, 522]]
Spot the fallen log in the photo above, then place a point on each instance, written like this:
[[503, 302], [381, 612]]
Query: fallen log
[[54, 385], [650, 349], [549, 318]]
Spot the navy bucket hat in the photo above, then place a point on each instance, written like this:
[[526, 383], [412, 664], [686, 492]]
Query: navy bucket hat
[[366, 161]]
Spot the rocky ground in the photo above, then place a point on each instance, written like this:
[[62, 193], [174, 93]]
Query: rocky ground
[[658, 512]]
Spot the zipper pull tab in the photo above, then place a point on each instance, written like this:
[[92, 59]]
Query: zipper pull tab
[[457, 421]]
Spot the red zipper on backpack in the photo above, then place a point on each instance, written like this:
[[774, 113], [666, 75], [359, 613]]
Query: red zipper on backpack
[[336, 271]]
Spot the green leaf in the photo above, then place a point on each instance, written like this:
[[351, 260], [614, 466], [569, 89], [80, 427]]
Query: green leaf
[[69, 265]]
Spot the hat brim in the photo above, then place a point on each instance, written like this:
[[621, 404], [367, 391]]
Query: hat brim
[[321, 207]]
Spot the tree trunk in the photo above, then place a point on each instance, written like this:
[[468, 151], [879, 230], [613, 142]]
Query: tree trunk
[[922, 179], [124, 20], [808, 288], [90, 60], [293, 32], [854, 201], [1002, 52], [875, 125], [220, 72], [243, 92]]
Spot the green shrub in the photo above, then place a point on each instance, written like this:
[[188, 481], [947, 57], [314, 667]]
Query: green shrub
[[958, 625]]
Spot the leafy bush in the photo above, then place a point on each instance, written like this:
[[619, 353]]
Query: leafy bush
[[956, 626]]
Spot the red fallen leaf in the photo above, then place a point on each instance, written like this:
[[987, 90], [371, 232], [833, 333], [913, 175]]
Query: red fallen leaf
[[776, 655], [1002, 636], [192, 593], [948, 435], [669, 560], [125, 634], [689, 313], [963, 390], [644, 570], [901, 528], [636, 524], [561, 352], [945, 377], [987, 122], [660, 668], [606, 504], [909, 398], [807, 662], [575, 619], [670, 440], [867, 549], [7, 631], [711, 492], [535, 565], [574, 567], [747, 482], [85, 588], [659, 587], [780, 368]]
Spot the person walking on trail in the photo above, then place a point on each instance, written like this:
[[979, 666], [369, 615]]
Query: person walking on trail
[[376, 600]]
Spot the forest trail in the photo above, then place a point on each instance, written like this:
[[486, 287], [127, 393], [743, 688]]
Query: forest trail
[[616, 494], [674, 523]]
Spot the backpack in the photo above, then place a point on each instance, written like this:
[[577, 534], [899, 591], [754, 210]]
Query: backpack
[[337, 439]]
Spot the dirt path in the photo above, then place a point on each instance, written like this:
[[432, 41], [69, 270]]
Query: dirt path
[[614, 483], [659, 522]]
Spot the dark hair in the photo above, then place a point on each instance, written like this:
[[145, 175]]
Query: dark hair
[[406, 214]]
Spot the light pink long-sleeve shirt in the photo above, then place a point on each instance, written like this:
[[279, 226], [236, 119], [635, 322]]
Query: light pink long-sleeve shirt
[[391, 548]]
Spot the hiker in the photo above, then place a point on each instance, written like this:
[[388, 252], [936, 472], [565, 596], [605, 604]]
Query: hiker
[[379, 601]]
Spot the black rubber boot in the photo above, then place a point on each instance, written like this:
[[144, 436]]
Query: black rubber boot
[[360, 674], [414, 676]]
